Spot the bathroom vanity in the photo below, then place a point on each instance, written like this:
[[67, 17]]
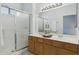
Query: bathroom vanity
[[66, 45]]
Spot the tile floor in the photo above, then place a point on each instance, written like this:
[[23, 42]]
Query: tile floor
[[26, 53]]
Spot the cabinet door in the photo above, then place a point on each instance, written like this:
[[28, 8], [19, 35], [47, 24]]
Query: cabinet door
[[78, 49], [31, 44], [49, 50], [38, 47]]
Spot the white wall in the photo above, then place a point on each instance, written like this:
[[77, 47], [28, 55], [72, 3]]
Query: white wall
[[0, 8], [78, 15], [78, 19], [33, 22], [27, 7]]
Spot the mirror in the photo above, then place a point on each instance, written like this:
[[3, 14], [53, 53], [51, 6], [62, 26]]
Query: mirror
[[56, 19]]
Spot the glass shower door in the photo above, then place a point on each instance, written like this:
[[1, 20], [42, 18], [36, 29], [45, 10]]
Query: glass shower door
[[22, 30], [7, 39]]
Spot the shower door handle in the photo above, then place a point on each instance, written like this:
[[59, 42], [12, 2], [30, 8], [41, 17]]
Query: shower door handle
[[2, 36]]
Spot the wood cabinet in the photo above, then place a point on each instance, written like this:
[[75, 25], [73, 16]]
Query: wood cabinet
[[71, 47], [78, 49], [49, 50], [43, 46], [31, 44], [65, 52], [35, 45], [39, 46], [58, 44]]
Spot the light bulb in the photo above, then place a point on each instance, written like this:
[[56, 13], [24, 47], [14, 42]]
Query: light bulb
[[60, 4], [52, 6], [56, 4]]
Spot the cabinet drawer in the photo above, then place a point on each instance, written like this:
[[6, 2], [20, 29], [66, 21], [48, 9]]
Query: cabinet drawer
[[65, 52], [69, 46], [54, 43], [48, 41], [32, 38], [40, 40], [35, 37], [58, 44]]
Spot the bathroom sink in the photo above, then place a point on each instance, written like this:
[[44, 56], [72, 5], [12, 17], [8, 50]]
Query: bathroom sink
[[46, 35], [60, 36]]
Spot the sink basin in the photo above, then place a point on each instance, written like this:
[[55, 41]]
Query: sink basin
[[60, 36], [46, 35]]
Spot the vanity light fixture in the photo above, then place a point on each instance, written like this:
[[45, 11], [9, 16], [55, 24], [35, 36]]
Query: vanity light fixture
[[51, 6]]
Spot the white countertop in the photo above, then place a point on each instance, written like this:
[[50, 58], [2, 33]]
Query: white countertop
[[64, 38]]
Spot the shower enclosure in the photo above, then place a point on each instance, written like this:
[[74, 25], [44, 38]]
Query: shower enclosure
[[14, 31], [22, 30], [7, 31]]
